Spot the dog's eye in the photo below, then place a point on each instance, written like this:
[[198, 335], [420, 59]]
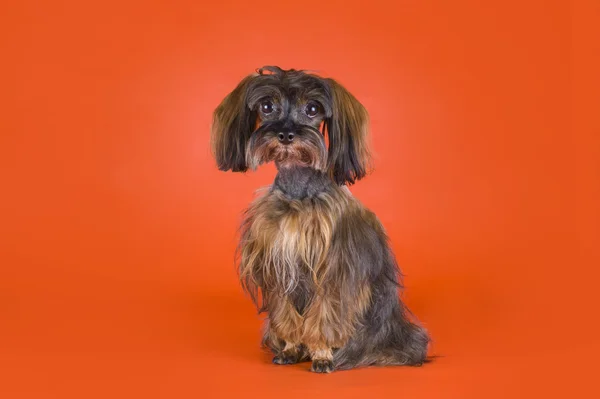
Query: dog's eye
[[312, 109], [266, 107]]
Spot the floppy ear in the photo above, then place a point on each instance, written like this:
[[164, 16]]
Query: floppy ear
[[233, 123], [347, 128]]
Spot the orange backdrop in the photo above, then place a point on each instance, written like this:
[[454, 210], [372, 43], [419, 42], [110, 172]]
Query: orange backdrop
[[117, 231]]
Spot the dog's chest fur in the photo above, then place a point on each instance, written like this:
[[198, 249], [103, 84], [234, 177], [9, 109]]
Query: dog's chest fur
[[289, 231]]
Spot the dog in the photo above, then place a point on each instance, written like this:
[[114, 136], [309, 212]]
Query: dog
[[310, 255]]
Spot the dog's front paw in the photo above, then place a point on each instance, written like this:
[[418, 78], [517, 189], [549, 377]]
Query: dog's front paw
[[287, 358], [321, 366]]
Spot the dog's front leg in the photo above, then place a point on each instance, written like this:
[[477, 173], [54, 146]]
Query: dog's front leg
[[290, 354], [322, 332], [322, 360], [284, 331]]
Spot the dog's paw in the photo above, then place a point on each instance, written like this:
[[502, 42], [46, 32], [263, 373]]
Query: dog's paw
[[286, 358], [321, 366]]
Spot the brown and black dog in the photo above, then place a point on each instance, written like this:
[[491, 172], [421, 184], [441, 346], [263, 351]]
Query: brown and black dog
[[310, 255]]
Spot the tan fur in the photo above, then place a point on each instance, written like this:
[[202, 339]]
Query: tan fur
[[279, 240], [290, 347], [297, 153], [321, 354], [327, 324], [285, 321]]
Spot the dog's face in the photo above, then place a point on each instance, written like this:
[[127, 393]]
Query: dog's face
[[286, 117]]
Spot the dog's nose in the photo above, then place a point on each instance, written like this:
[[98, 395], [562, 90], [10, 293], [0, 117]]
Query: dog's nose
[[285, 138]]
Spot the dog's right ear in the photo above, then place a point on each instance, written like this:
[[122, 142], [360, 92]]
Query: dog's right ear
[[233, 124]]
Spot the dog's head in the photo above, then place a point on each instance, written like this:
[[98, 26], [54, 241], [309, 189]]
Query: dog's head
[[293, 118]]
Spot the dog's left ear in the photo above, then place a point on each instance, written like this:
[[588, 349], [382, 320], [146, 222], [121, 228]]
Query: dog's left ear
[[233, 124], [347, 128]]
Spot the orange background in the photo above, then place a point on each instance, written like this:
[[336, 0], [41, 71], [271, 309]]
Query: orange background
[[117, 231]]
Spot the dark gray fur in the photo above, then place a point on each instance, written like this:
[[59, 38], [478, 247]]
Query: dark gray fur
[[300, 183]]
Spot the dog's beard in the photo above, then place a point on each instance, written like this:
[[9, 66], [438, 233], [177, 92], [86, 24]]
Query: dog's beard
[[308, 149]]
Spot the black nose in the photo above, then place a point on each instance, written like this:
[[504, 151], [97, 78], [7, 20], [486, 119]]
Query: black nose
[[285, 138]]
